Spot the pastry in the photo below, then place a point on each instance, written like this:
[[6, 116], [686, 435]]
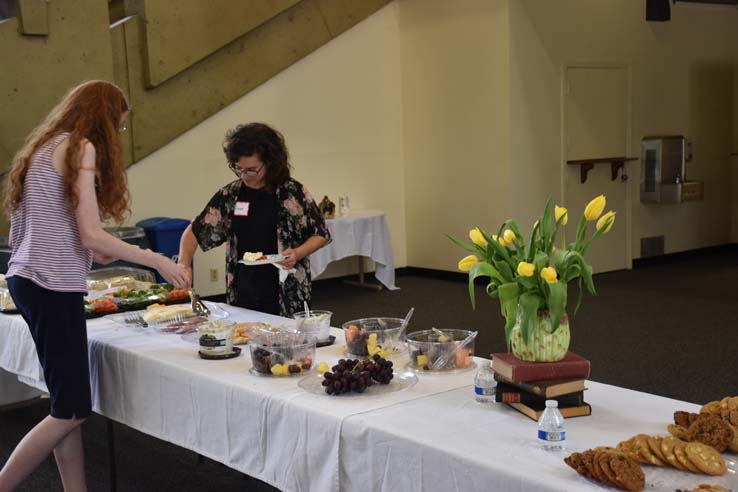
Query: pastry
[[654, 444], [627, 472], [681, 455], [705, 458], [677, 431], [711, 430], [685, 419], [641, 442], [667, 449]]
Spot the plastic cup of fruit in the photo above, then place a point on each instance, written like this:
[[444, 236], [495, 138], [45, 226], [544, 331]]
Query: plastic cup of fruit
[[318, 324], [427, 346], [282, 353], [367, 336], [216, 337]]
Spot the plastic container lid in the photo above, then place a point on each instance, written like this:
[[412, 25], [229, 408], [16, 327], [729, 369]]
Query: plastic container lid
[[163, 224], [552, 404], [126, 232]]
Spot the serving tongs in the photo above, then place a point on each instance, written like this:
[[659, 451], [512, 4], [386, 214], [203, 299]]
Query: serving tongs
[[198, 307]]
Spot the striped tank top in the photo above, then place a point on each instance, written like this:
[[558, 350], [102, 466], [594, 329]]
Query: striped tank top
[[45, 240]]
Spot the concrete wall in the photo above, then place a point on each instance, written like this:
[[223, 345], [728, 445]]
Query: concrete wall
[[682, 83], [340, 110]]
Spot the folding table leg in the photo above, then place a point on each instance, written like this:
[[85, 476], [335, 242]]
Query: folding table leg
[[111, 456], [361, 282]]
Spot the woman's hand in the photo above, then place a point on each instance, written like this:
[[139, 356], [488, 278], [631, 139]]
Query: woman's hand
[[293, 256], [173, 273]]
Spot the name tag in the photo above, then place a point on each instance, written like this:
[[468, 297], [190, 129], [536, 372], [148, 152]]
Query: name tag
[[242, 209]]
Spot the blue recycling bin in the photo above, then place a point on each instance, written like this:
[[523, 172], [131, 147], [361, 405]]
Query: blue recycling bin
[[164, 234]]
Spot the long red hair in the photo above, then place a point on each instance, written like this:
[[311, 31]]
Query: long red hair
[[91, 111]]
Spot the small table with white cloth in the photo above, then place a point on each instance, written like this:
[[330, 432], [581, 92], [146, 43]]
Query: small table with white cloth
[[360, 233], [430, 437]]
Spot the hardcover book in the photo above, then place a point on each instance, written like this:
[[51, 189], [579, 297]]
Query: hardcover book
[[572, 366]]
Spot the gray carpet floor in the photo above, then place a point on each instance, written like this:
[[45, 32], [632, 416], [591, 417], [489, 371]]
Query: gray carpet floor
[[669, 329]]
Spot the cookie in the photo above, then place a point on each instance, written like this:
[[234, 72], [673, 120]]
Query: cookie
[[603, 458], [686, 418], [654, 444], [706, 458], [712, 408], [597, 470], [711, 430], [595, 473], [667, 448], [733, 445], [627, 472], [677, 431], [576, 461], [628, 449], [681, 455], [641, 442]]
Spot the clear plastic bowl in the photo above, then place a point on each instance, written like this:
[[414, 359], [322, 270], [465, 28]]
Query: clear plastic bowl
[[216, 337], [367, 336], [426, 347], [282, 353], [317, 324]]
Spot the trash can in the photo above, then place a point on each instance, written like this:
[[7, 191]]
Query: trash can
[[164, 234], [131, 235]]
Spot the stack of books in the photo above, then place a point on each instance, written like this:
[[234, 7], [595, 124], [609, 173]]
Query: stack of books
[[525, 386]]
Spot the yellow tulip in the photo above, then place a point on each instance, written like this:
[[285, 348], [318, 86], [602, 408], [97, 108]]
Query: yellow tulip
[[549, 275], [526, 269], [477, 237], [500, 240], [594, 208], [561, 212], [467, 262], [603, 222], [509, 237]]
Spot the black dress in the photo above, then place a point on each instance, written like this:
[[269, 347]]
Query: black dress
[[255, 225]]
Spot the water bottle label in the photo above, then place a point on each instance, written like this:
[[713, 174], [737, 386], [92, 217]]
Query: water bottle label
[[551, 436], [484, 391]]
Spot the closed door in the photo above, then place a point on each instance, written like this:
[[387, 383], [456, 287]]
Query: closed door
[[596, 125]]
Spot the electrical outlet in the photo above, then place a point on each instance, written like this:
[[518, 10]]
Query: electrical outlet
[[213, 274]]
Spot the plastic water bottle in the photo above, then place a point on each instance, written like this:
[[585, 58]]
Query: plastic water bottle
[[485, 384], [551, 432]]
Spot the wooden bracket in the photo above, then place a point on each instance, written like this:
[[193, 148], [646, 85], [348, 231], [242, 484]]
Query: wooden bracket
[[586, 165]]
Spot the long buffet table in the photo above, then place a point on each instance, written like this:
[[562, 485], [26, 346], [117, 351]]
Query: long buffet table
[[431, 437]]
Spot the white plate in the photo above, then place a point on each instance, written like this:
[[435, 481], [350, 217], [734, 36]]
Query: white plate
[[402, 380], [409, 366], [269, 260]]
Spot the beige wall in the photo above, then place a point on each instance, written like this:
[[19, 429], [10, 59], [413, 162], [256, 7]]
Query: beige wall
[[455, 87], [340, 110], [682, 78]]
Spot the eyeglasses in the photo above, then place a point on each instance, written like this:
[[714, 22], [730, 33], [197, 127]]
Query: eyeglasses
[[238, 171]]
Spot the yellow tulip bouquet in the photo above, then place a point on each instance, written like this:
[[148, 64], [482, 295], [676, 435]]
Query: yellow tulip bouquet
[[533, 276]]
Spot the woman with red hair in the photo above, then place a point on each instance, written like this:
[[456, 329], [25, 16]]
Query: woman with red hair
[[67, 178]]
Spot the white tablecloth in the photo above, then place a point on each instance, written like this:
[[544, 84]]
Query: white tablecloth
[[432, 437], [361, 233]]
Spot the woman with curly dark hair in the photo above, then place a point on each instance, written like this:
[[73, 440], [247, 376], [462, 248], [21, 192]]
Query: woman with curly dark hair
[[67, 177], [264, 210]]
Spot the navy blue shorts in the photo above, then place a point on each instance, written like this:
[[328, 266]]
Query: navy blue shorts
[[59, 329]]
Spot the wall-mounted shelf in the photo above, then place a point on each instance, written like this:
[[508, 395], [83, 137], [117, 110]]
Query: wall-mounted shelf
[[585, 165]]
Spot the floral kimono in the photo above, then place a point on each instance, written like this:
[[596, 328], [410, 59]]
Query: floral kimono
[[298, 218]]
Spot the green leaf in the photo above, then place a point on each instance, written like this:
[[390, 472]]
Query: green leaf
[[529, 314], [492, 291], [509, 294], [556, 303], [481, 269], [472, 248], [533, 243], [546, 225], [504, 270], [581, 231], [555, 232], [541, 262], [527, 283], [559, 257], [580, 297]]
